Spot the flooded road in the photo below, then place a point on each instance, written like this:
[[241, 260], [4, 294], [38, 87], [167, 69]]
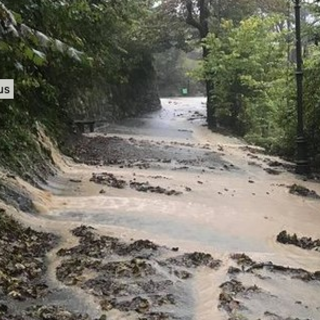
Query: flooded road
[[228, 196], [226, 203]]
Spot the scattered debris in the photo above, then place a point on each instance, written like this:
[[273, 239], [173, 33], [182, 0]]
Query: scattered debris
[[303, 242], [108, 179], [253, 149], [22, 262], [146, 187], [53, 313], [159, 177], [272, 316], [242, 259], [129, 277], [272, 171], [303, 191], [294, 273], [274, 163], [230, 290], [194, 260], [75, 180], [253, 163], [233, 270]]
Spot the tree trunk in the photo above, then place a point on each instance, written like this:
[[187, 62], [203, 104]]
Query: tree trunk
[[211, 117], [202, 25]]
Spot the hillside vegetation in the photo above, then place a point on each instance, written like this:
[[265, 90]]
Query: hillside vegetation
[[72, 60]]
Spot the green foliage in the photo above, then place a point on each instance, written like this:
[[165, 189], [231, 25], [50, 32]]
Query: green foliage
[[248, 66], [251, 63], [312, 99], [65, 56]]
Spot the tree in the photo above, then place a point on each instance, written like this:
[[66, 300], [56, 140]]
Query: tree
[[206, 16], [71, 59], [249, 63], [198, 15]]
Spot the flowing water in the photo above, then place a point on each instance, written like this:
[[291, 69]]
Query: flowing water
[[228, 205]]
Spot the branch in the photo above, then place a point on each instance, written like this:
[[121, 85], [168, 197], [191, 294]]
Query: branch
[[190, 18]]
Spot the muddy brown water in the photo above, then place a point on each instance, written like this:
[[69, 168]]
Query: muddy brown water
[[227, 205]]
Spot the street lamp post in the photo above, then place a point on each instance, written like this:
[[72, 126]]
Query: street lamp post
[[302, 163]]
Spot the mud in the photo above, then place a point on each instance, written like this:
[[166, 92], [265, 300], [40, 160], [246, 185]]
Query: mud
[[23, 271], [143, 257], [251, 266], [131, 277], [111, 180], [18, 199], [22, 261], [248, 284], [230, 290], [143, 154]]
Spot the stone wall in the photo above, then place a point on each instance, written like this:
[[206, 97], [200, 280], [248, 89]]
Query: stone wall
[[113, 102]]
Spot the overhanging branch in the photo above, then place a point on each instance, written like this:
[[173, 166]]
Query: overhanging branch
[[190, 18]]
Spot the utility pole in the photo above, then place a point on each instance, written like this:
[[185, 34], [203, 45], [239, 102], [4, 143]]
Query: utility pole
[[302, 162]]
